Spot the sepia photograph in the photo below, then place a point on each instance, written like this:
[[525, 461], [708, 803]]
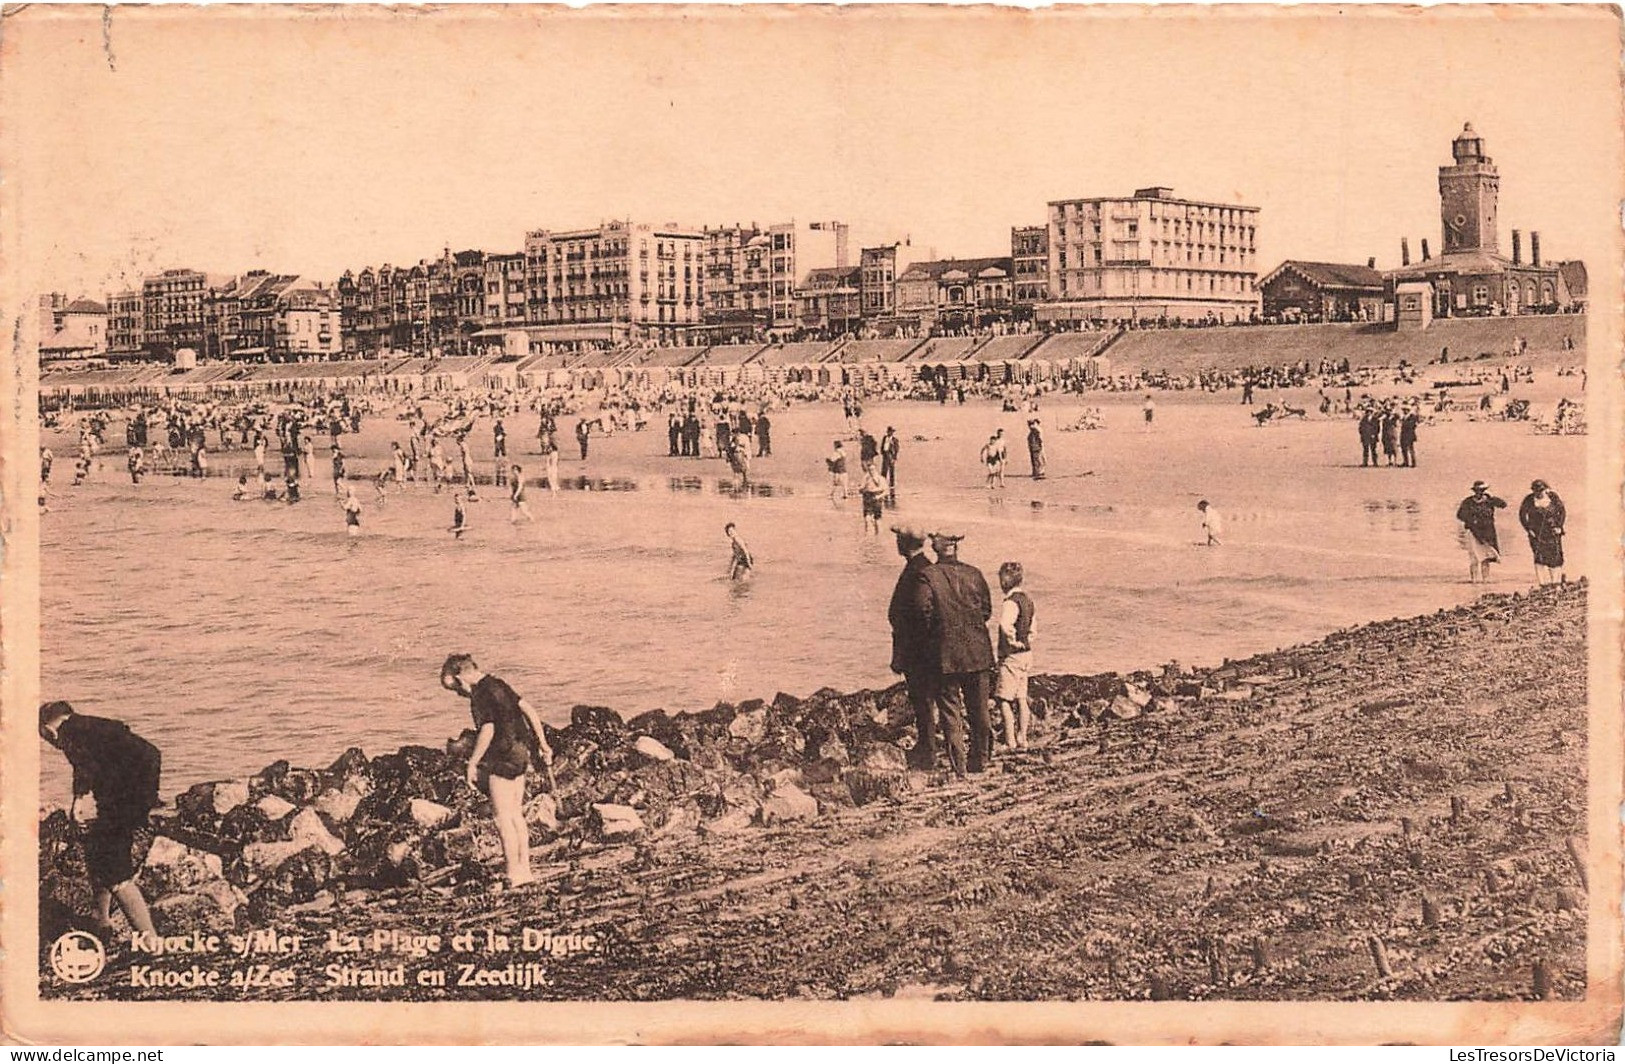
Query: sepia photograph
[[885, 523]]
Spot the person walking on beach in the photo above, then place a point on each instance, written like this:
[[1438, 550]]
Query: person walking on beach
[[338, 472], [1212, 526], [583, 434], [550, 462], [740, 564], [352, 512], [1477, 516], [1015, 656], [911, 655], [517, 506], [119, 771], [872, 493], [958, 608], [1035, 447], [836, 464], [398, 457], [509, 738], [764, 436], [499, 451], [259, 453], [307, 452], [459, 516], [1150, 409], [135, 461], [993, 458], [1542, 515], [889, 446]]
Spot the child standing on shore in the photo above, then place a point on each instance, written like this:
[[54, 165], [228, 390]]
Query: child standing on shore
[[1211, 525], [459, 516], [517, 507], [1015, 656], [352, 512]]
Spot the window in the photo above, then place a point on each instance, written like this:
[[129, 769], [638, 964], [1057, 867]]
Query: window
[[1481, 295]]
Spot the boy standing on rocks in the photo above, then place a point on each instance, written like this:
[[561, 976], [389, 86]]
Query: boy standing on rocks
[[1015, 656]]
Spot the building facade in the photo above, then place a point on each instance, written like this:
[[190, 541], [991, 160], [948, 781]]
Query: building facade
[[877, 282], [1471, 278], [736, 282], [1298, 291], [308, 326], [126, 323], [1151, 257], [794, 250], [627, 279], [505, 289], [956, 293], [1029, 261], [829, 302], [71, 328], [173, 306]]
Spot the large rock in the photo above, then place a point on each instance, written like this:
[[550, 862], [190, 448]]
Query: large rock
[[615, 823], [542, 815], [337, 805], [652, 749], [749, 725], [598, 724], [274, 806], [873, 785], [788, 803], [227, 795], [262, 859], [209, 906], [173, 868], [308, 829], [428, 815]]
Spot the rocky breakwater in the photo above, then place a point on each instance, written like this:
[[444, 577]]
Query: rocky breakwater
[[1395, 811], [242, 852]]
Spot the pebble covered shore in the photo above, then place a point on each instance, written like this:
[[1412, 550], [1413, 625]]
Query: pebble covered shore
[[1396, 811]]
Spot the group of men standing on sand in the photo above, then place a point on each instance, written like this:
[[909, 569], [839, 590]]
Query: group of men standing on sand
[[939, 613]]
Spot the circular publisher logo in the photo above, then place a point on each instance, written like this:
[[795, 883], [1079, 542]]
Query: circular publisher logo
[[78, 957]]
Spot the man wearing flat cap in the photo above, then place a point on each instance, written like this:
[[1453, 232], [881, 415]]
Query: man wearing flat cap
[[911, 642], [958, 609]]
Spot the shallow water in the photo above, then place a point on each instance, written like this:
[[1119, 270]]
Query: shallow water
[[235, 633]]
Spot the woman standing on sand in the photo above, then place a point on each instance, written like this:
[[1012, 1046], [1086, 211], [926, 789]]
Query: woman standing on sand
[[1477, 516], [1542, 516]]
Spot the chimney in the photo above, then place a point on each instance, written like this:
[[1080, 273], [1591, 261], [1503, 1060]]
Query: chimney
[[1534, 249], [1404, 251], [1425, 255], [1517, 248], [1371, 263]]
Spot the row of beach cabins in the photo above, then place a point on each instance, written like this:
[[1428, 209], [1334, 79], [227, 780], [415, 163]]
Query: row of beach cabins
[[877, 363]]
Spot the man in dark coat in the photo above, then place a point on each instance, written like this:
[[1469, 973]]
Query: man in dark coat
[[958, 608], [1477, 515], [119, 771], [1407, 437], [1370, 429], [911, 643]]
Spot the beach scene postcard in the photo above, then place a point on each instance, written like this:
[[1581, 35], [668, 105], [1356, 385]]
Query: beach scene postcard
[[796, 524]]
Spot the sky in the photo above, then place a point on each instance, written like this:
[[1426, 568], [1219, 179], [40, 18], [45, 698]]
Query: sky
[[311, 142]]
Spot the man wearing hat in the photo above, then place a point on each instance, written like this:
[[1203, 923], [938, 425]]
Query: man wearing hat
[[1035, 447], [1477, 516], [958, 609], [911, 642]]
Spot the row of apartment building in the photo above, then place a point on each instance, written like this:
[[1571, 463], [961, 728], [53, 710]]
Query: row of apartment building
[[627, 280], [1150, 256]]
